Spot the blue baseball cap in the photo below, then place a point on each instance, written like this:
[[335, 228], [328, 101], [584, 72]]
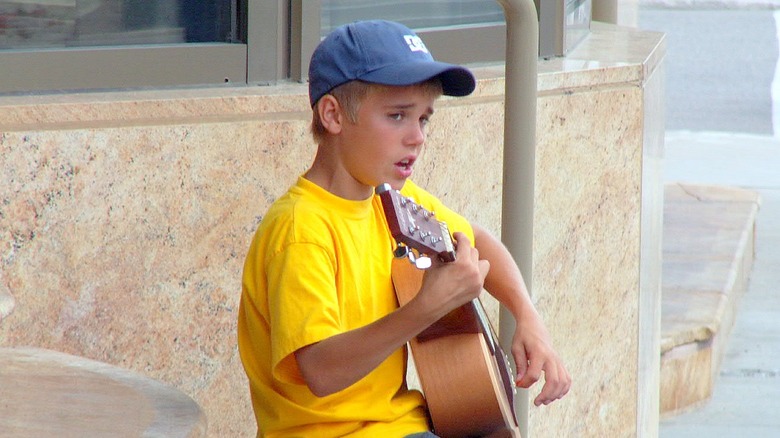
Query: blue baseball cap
[[380, 52]]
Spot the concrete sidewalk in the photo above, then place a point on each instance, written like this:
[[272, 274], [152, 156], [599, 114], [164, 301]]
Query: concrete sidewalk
[[746, 396]]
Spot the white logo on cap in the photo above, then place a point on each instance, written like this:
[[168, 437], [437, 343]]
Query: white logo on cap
[[415, 43]]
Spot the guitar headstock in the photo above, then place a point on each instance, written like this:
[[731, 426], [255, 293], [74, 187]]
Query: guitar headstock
[[415, 227]]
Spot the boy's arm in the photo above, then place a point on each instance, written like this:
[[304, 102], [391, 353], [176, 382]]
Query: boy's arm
[[531, 343], [337, 362]]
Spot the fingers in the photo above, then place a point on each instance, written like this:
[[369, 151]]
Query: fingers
[[455, 283], [557, 381], [521, 362], [557, 384], [463, 247], [550, 388], [532, 372], [462, 242]]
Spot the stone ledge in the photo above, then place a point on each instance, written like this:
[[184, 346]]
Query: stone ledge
[[708, 249], [48, 393]]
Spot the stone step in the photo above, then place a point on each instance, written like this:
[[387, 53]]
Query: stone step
[[708, 250]]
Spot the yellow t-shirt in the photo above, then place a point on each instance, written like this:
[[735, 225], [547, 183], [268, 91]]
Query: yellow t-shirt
[[319, 265]]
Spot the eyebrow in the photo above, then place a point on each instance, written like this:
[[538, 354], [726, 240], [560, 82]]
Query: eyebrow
[[429, 110]]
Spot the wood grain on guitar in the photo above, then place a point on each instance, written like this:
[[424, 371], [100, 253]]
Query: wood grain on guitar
[[464, 374]]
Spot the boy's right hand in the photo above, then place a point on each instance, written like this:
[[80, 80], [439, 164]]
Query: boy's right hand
[[449, 285]]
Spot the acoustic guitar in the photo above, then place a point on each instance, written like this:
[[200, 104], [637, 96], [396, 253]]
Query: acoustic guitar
[[465, 375]]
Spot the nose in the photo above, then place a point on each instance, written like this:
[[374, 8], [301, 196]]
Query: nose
[[416, 134]]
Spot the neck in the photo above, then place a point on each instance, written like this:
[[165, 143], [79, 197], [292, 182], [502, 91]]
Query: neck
[[326, 173]]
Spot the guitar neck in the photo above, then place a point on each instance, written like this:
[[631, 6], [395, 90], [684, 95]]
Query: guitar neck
[[414, 226]]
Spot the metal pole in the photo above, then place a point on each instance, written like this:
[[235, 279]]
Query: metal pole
[[522, 55]]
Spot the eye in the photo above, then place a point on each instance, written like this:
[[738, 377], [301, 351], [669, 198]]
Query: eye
[[396, 116]]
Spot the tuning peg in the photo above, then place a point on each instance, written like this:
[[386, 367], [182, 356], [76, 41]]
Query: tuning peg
[[422, 262], [401, 251]]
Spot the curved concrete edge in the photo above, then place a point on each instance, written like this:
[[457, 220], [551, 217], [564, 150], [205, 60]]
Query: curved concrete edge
[[176, 415]]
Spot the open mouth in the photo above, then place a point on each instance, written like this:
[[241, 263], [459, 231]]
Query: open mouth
[[405, 167], [405, 164]]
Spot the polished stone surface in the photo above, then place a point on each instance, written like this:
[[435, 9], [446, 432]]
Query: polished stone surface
[[651, 255], [47, 393], [597, 232], [124, 236]]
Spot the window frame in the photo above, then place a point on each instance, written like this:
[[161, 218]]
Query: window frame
[[261, 60], [478, 44], [111, 67], [280, 37]]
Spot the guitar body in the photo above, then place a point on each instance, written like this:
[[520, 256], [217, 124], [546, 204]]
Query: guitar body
[[465, 376], [469, 390]]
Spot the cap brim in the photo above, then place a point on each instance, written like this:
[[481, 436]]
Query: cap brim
[[455, 80]]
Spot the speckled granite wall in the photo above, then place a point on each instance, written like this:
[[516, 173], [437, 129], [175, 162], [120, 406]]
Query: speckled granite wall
[[125, 223], [599, 197], [125, 217]]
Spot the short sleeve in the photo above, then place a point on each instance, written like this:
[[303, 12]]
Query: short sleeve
[[303, 304]]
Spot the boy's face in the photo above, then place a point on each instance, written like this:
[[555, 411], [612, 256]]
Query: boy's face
[[388, 137]]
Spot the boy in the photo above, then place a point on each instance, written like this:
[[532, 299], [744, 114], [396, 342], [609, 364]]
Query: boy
[[320, 332]]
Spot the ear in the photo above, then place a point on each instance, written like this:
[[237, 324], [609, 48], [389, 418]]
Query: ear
[[331, 115]]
